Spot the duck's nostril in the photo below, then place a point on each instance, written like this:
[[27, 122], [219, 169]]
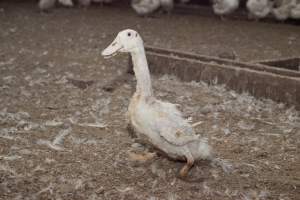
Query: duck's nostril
[[113, 44]]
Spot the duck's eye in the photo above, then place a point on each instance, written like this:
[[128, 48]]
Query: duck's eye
[[129, 34]]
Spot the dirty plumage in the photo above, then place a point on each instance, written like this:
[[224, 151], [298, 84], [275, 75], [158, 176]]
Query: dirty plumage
[[259, 8], [224, 7], [156, 122]]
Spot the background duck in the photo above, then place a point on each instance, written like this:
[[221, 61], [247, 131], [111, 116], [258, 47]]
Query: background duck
[[167, 5], [295, 11], [224, 7], [283, 11], [145, 7], [45, 5], [157, 122], [259, 8]]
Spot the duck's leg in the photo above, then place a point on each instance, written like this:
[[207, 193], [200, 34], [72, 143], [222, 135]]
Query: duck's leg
[[189, 164]]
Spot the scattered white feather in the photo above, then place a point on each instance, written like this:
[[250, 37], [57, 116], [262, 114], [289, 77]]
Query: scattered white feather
[[10, 158], [53, 123], [58, 140], [245, 125]]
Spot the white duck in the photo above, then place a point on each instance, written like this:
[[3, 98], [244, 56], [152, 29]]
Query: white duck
[[156, 122], [167, 5], [259, 8], [224, 7], [84, 3], [283, 11], [145, 7], [48, 4], [295, 11]]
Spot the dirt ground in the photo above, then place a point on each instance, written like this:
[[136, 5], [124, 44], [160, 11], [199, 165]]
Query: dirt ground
[[63, 137]]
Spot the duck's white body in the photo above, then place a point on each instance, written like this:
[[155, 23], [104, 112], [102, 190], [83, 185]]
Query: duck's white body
[[145, 7], [295, 11], [156, 122], [283, 11], [167, 5], [48, 4], [224, 7], [259, 8], [67, 3]]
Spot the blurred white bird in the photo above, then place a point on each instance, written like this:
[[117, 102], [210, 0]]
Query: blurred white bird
[[295, 11], [224, 7], [67, 3], [84, 3], [46, 4], [283, 11], [146, 7], [167, 5], [259, 8]]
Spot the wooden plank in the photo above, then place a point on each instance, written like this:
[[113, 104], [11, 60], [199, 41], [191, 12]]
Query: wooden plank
[[260, 81]]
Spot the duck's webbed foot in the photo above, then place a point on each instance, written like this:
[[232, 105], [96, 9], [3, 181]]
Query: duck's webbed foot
[[186, 168]]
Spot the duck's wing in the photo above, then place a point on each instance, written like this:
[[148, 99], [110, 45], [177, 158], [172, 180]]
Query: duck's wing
[[172, 126], [177, 136]]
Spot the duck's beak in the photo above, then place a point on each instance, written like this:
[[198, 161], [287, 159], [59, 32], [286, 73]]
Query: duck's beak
[[112, 49]]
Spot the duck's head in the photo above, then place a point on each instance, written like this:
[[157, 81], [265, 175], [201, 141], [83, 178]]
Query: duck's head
[[128, 41]]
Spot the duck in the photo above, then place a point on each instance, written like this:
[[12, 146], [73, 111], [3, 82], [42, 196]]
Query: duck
[[283, 11], [259, 8], [156, 122], [67, 3], [145, 7], [45, 5], [167, 5], [224, 7], [295, 11], [84, 3]]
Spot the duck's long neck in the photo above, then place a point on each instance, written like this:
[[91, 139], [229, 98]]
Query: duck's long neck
[[141, 70]]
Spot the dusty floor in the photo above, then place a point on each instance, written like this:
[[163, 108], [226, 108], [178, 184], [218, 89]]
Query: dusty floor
[[62, 139]]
